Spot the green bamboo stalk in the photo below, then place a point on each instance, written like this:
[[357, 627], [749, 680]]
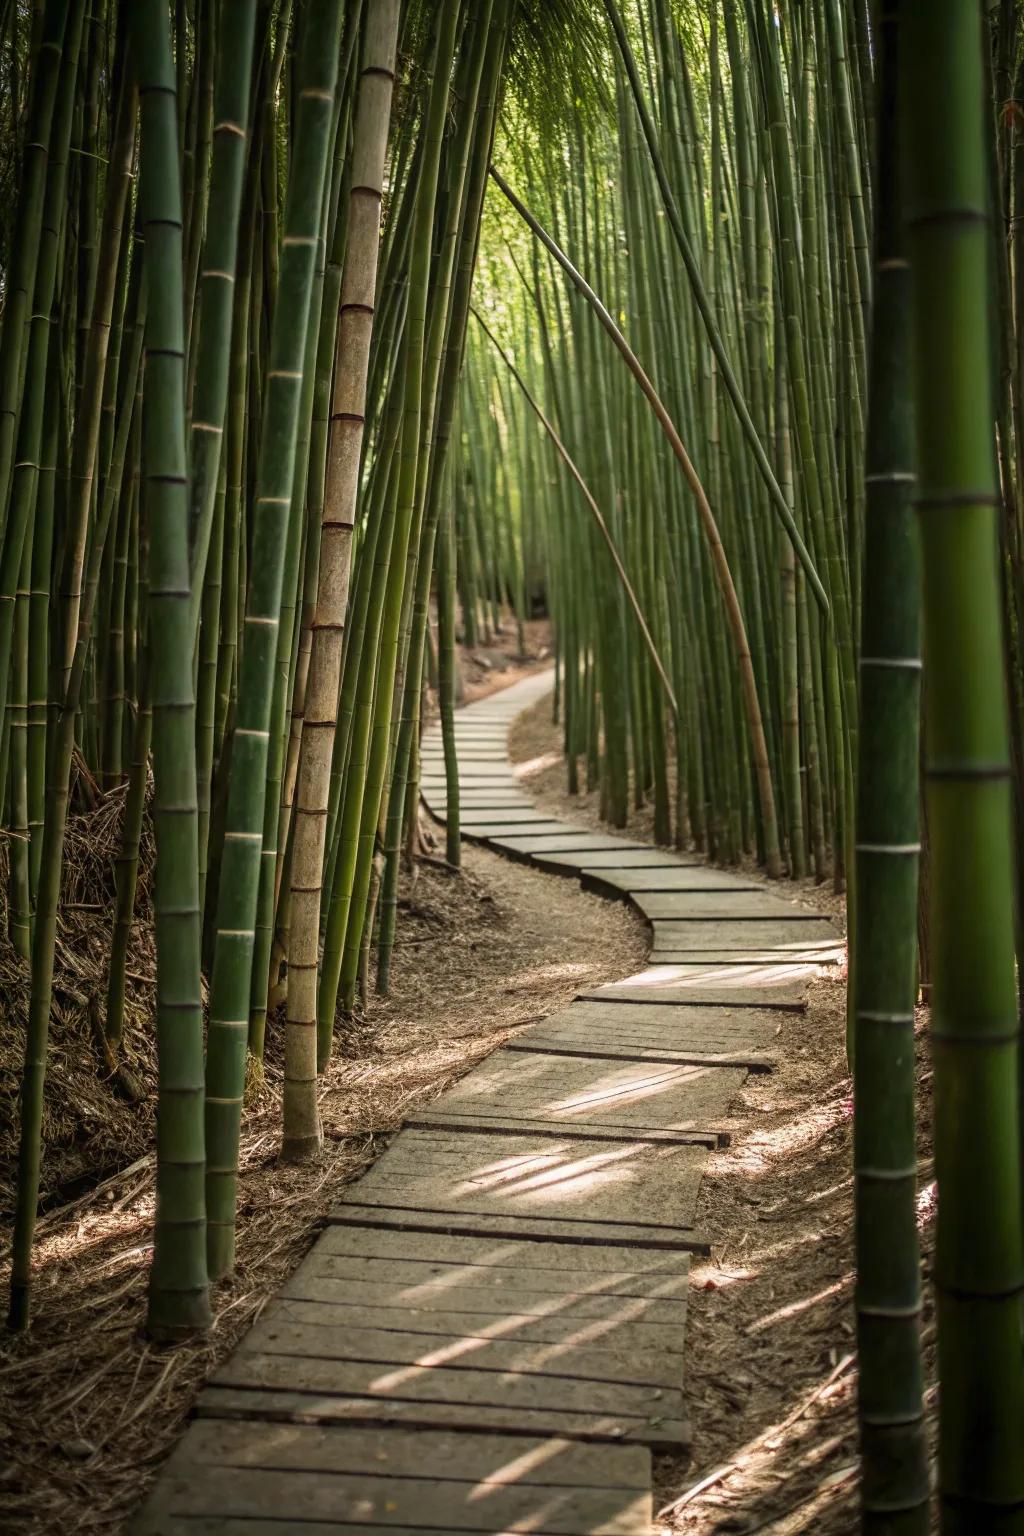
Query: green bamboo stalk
[[178, 1290], [895, 1492], [723, 573], [239, 873], [979, 1263]]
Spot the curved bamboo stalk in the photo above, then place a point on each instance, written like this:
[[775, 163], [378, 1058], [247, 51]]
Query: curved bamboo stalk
[[595, 512], [703, 303], [723, 574]]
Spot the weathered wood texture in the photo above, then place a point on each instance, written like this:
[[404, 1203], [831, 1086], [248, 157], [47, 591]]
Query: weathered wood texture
[[537, 1178], [226, 1477], [574, 1093], [488, 1336]]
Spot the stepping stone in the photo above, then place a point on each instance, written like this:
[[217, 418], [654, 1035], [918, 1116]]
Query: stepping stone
[[575, 1095], [657, 1032], [491, 799], [535, 1180], [478, 754], [490, 804], [262, 1479]]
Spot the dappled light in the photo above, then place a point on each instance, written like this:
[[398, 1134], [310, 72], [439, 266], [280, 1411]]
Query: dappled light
[[511, 767]]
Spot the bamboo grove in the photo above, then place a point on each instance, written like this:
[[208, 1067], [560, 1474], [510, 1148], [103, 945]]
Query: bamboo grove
[[333, 333]]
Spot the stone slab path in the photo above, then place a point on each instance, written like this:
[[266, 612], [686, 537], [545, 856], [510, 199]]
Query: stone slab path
[[488, 1337]]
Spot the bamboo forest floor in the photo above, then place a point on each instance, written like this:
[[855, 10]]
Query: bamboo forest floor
[[89, 1411], [488, 1336], [770, 1383]]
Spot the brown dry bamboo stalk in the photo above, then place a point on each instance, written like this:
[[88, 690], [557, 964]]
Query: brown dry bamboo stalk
[[355, 323]]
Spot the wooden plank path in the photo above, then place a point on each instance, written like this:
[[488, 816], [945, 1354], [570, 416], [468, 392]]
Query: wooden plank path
[[488, 1336]]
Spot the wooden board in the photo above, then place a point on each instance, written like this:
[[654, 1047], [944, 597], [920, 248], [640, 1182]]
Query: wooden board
[[482, 1301], [714, 985], [655, 1031], [481, 1460], [803, 936], [668, 877], [498, 1123], [639, 1184], [716, 906], [321, 1337], [230, 1476], [623, 1326], [418, 1266], [312, 1406], [573, 1093], [798, 961], [541, 1229], [573, 843], [540, 1259], [484, 1399], [616, 854]]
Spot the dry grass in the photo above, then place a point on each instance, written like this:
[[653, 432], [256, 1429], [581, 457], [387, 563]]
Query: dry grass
[[88, 1407], [770, 1382], [771, 1379]]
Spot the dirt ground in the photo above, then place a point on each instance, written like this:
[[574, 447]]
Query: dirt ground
[[771, 1381], [88, 1407]]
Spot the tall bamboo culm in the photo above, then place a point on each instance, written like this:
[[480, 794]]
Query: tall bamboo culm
[[979, 1260]]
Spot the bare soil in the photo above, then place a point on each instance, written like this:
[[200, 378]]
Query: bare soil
[[770, 1387]]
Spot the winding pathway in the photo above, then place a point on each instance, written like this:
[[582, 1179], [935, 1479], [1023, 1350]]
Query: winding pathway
[[488, 1336]]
